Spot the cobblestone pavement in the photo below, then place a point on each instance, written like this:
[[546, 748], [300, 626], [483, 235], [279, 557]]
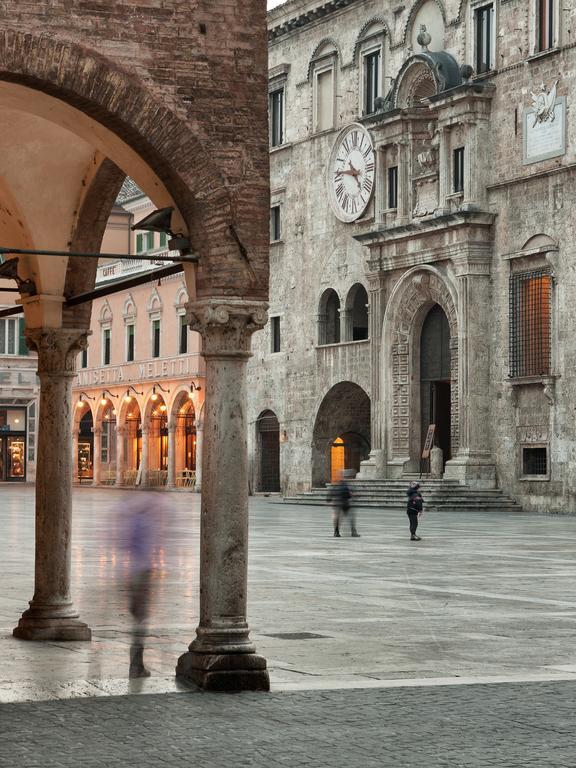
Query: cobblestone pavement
[[529, 725]]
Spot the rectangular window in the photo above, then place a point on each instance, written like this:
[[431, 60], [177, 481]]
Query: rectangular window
[[276, 117], [139, 243], [183, 347], [9, 337], [325, 100], [84, 358], [275, 229], [484, 18], [130, 343], [393, 187], [530, 323], [163, 239], [371, 81], [458, 170], [275, 334], [535, 461], [155, 338], [22, 346], [545, 24], [149, 241], [106, 346]]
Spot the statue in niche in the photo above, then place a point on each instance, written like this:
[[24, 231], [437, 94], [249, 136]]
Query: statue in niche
[[544, 104], [428, 158]]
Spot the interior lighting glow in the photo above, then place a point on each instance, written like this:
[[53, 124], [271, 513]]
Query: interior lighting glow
[[162, 408], [103, 401]]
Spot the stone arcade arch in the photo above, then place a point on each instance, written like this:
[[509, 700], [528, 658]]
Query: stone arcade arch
[[73, 122], [418, 292], [343, 413]]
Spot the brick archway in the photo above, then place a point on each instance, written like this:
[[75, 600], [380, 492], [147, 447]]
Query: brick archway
[[413, 297], [187, 149]]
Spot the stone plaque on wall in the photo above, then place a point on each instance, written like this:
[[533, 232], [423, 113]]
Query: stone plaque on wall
[[545, 130]]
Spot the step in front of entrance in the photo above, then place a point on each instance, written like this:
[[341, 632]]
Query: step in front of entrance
[[439, 495]]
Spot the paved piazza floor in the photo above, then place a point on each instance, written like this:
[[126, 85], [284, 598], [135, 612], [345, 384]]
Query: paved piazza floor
[[455, 651]]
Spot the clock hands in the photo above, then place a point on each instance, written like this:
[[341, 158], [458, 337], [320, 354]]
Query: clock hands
[[352, 172]]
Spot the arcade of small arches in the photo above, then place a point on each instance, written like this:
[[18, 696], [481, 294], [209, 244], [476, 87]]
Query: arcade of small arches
[[343, 321], [148, 439]]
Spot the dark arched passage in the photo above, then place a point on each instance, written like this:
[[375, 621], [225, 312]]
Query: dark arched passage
[[344, 414], [268, 452]]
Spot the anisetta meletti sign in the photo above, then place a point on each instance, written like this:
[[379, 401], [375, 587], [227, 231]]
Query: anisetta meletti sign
[[149, 370]]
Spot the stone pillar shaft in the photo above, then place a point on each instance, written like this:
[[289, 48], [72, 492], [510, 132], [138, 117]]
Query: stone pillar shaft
[[144, 458], [199, 452], [97, 456], [51, 615], [120, 454], [222, 655], [171, 478]]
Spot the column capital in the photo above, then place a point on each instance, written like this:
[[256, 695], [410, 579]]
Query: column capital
[[226, 325], [57, 348]]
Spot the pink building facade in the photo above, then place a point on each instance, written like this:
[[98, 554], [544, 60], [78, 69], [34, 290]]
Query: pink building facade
[[139, 390]]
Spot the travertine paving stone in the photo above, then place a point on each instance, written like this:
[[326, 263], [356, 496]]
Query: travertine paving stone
[[509, 726]]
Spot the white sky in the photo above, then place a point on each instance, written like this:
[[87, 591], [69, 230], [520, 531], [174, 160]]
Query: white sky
[[274, 3]]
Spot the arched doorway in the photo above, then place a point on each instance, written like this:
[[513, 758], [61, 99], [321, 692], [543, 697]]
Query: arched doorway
[[86, 446], [132, 442], [435, 378], [269, 452], [158, 443], [329, 318], [357, 313], [185, 441], [341, 437]]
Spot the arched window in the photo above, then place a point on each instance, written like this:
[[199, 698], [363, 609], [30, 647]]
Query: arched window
[[329, 318], [356, 325], [269, 450]]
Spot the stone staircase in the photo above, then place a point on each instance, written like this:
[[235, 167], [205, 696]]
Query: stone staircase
[[439, 496]]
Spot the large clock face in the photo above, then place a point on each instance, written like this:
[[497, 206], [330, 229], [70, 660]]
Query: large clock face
[[351, 173]]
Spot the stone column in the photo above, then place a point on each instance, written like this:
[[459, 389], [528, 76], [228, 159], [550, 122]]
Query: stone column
[[171, 479], [52, 615], [444, 175], [199, 451], [373, 467], [144, 458], [346, 325], [97, 456], [473, 463], [75, 473], [222, 657], [321, 320], [470, 199], [120, 454], [403, 204]]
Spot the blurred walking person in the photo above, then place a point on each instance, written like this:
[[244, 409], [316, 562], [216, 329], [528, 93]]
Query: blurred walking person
[[340, 496], [141, 537], [414, 508]]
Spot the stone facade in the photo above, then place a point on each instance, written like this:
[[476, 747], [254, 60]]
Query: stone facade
[[470, 212]]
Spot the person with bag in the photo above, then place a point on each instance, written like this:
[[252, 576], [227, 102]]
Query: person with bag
[[414, 508]]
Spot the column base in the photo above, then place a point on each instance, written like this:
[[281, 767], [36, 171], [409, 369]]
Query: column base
[[64, 629], [224, 672], [373, 467]]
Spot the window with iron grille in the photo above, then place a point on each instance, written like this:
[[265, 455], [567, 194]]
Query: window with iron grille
[[530, 323], [535, 461]]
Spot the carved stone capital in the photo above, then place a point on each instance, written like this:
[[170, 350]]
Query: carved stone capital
[[57, 348], [226, 325]]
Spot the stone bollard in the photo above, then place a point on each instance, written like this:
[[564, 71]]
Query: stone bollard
[[436, 462]]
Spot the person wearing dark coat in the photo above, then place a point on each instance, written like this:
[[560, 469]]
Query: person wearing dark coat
[[340, 496], [414, 508]]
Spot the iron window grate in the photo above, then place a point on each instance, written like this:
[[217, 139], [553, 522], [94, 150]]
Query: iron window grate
[[534, 461], [530, 322]]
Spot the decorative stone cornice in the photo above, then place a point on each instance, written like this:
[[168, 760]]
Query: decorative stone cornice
[[304, 18], [57, 348], [226, 325]]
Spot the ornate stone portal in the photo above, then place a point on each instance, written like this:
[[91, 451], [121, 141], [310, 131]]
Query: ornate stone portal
[[222, 657]]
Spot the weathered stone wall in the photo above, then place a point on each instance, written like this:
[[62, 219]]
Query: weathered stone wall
[[518, 202]]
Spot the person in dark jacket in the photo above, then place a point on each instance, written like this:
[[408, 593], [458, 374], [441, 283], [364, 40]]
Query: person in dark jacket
[[340, 496], [414, 508]]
